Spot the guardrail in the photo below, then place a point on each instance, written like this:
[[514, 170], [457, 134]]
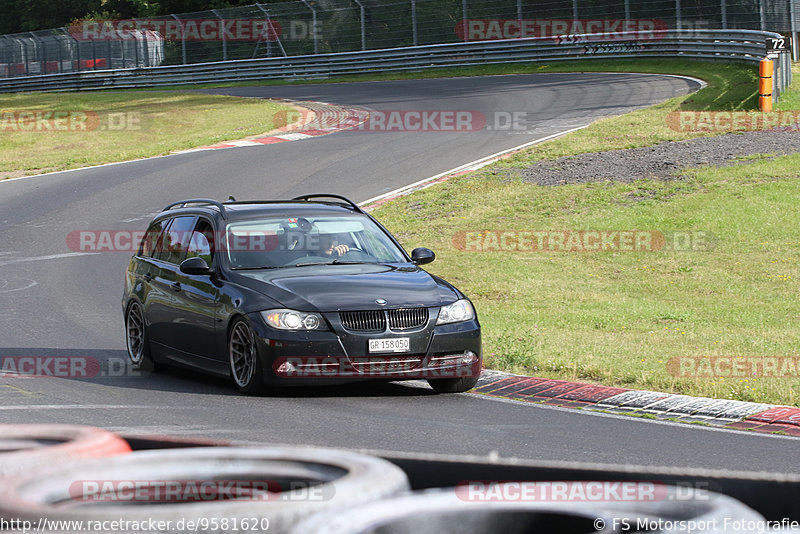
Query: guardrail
[[726, 45]]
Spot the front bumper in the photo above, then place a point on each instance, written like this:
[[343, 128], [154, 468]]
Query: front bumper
[[321, 358]]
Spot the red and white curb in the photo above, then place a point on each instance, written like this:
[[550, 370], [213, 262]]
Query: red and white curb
[[723, 413], [323, 119]]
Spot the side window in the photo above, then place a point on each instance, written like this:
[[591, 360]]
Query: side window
[[173, 243], [148, 244], [202, 242]]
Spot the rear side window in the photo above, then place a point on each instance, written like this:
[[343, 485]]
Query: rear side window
[[148, 244], [174, 242]]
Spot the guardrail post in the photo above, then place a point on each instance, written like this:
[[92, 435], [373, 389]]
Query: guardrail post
[[77, 55], [414, 22], [135, 34], [60, 55], [271, 31], [723, 11], [793, 29], [183, 39], [141, 62], [122, 50], [762, 15], [41, 49], [464, 24], [109, 53], [224, 40], [313, 25], [765, 70], [678, 14], [363, 27], [94, 54]]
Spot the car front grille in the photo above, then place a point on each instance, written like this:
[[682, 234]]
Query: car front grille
[[376, 320], [364, 321], [408, 318]]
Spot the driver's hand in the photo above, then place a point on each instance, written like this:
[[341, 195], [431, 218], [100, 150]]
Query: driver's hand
[[340, 250]]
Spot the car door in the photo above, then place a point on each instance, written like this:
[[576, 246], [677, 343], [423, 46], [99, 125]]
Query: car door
[[195, 309], [163, 300]]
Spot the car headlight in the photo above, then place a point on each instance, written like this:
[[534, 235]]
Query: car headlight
[[293, 320], [460, 310]]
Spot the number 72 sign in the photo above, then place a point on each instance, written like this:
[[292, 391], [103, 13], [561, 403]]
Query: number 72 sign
[[776, 44]]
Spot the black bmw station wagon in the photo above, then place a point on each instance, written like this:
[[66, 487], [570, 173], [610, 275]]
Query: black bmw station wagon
[[311, 290]]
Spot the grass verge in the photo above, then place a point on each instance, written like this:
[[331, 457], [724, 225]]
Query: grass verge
[[122, 125], [628, 318]]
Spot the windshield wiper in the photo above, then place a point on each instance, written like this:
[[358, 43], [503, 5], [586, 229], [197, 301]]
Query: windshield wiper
[[334, 262], [259, 267]]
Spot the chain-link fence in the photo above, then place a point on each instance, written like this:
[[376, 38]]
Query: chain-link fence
[[60, 50], [304, 27]]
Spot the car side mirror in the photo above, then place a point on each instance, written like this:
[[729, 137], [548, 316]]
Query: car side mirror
[[421, 256], [195, 266]]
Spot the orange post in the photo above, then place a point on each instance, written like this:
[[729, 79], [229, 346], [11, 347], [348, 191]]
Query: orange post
[[765, 70]]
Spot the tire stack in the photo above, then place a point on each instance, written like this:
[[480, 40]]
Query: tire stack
[[298, 482], [60, 473], [24, 447]]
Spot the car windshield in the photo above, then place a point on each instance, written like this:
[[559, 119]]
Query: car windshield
[[296, 241]]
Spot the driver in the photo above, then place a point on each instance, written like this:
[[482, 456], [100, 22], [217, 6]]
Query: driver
[[329, 246]]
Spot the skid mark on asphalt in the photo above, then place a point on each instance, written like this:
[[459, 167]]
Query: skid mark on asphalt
[[11, 261], [9, 392], [88, 407], [15, 283]]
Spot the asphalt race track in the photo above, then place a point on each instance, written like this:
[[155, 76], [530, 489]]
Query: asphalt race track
[[58, 303]]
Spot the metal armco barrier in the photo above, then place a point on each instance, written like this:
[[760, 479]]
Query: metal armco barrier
[[724, 45]]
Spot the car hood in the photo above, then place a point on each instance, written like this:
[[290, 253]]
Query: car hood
[[352, 287]]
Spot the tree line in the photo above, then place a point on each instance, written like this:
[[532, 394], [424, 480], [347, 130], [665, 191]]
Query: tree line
[[30, 15]]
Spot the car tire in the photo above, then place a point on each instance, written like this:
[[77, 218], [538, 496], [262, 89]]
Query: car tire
[[307, 480], [453, 385], [30, 446], [246, 369], [136, 339]]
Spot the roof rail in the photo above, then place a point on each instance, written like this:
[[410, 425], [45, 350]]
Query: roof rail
[[327, 195], [207, 201]]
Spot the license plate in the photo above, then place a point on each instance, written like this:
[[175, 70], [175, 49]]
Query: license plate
[[395, 344]]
